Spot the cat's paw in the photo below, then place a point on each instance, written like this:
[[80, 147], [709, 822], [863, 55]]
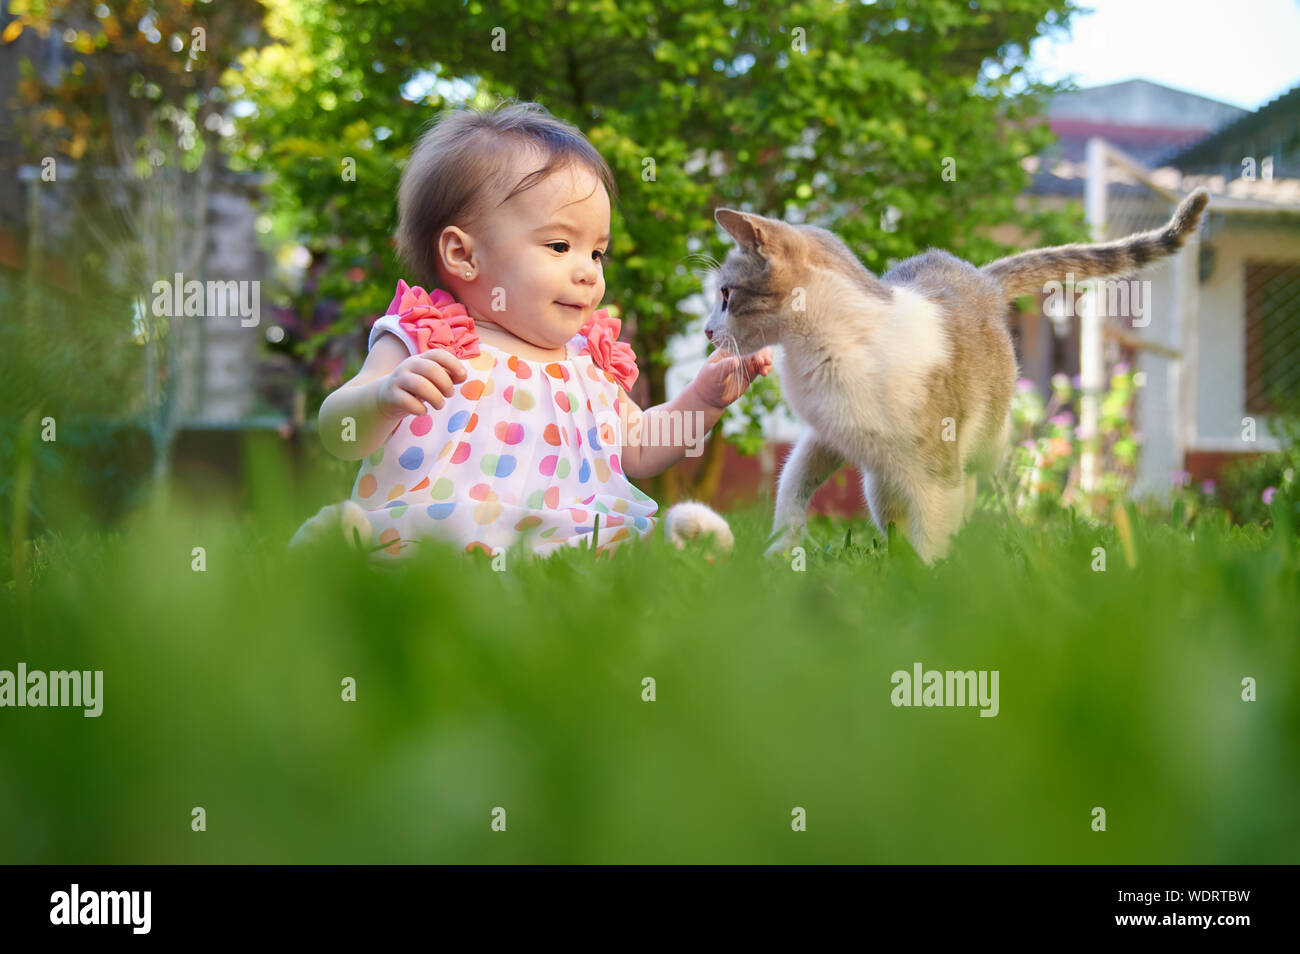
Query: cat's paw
[[691, 522], [346, 517], [356, 525], [786, 540]]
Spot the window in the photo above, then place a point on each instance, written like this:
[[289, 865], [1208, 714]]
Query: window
[[1272, 333]]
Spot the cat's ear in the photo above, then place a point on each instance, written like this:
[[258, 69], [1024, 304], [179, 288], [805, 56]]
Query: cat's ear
[[753, 233]]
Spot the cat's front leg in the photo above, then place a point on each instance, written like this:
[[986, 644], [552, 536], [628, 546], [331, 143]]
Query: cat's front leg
[[809, 466]]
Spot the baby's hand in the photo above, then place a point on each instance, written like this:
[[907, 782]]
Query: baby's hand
[[725, 377], [429, 377]]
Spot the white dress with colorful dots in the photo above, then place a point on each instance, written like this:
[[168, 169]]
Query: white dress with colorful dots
[[522, 450]]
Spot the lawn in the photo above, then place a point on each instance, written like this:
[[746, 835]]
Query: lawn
[[523, 690]]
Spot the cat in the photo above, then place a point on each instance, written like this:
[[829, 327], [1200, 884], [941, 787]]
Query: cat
[[881, 370]]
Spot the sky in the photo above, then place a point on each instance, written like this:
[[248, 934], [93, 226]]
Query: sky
[[1242, 52]]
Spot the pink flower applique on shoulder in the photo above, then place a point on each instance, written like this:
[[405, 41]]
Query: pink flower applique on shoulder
[[607, 352], [434, 320]]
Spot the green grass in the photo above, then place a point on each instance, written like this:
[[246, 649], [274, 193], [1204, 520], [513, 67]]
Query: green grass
[[523, 689]]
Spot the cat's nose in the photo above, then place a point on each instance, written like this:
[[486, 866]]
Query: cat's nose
[[708, 333]]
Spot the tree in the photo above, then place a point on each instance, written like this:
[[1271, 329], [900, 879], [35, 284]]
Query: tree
[[900, 125], [135, 120]]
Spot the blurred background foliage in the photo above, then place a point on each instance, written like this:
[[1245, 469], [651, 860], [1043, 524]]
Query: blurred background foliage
[[127, 117], [1043, 468]]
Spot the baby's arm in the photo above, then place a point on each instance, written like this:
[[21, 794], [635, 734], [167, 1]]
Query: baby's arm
[[389, 386], [655, 439]]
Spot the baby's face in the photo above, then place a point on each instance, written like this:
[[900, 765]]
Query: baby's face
[[541, 256]]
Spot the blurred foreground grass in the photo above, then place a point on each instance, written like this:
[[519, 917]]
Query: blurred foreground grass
[[523, 689]]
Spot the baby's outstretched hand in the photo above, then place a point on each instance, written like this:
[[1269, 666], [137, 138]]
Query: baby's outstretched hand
[[429, 377], [725, 377]]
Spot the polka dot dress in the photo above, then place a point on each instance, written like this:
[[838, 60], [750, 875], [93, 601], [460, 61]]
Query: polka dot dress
[[522, 451]]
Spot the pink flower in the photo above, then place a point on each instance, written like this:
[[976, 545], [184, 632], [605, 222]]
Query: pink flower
[[1207, 487], [1181, 478], [607, 352], [1025, 385], [434, 321], [1267, 495]]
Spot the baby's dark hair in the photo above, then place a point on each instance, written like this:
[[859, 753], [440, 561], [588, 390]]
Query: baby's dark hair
[[461, 168]]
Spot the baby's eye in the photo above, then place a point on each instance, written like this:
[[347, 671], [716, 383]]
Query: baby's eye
[[553, 244], [601, 257]]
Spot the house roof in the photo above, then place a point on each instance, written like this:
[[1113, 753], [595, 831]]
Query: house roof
[[1142, 141], [1284, 109], [1139, 102], [1145, 119], [1158, 126]]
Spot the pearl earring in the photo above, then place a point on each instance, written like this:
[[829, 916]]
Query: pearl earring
[[467, 274]]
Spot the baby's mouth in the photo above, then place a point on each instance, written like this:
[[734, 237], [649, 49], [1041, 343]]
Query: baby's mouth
[[577, 308]]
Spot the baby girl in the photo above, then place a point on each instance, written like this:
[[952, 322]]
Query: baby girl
[[493, 408]]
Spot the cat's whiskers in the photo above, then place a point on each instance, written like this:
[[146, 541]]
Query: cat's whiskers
[[701, 265]]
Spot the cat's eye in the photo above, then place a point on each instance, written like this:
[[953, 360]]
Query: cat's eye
[[726, 296]]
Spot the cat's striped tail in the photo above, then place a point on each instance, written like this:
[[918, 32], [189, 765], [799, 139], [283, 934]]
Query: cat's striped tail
[[1028, 272]]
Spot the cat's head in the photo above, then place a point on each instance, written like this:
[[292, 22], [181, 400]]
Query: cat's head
[[771, 283], [755, 283]]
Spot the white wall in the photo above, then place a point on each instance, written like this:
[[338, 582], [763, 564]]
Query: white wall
[[1221, 375], [1157, 402], [1220, 372]]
